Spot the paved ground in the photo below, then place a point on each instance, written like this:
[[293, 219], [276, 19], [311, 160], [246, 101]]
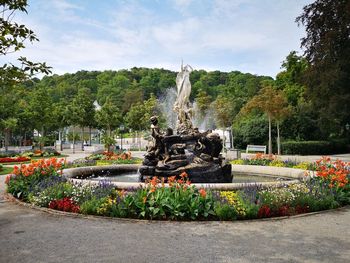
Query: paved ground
[[28, 235]]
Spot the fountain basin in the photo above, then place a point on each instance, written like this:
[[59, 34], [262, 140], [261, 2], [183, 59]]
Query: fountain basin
[[272, 176]]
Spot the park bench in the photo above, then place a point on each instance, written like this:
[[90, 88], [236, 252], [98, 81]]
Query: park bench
[[256, 148]]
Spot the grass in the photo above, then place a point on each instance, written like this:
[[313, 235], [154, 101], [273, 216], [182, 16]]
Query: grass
[[109, 162], [5, 170]]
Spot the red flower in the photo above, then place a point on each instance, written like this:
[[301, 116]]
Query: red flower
[[264, 211], [283, 210], [65, 204], [13, 159]]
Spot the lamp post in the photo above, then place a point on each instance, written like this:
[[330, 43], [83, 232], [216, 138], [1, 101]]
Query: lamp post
[[121, 129]]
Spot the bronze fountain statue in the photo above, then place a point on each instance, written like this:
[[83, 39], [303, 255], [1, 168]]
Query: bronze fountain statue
[[196, 153]]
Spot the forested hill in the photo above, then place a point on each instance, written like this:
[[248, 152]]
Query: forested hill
[[127, 87]]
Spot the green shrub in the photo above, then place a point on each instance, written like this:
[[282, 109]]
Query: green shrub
[[252, 129], [90, 207], [169, 203], [314, 147], [225, 212]]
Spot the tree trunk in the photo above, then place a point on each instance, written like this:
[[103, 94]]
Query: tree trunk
[[139, 138], [90, 143], [231, 136], [7, 141], [278, 139], [42, 139], [73, 141], [82, 138], [224, 140], [61, 146], [270, 136]]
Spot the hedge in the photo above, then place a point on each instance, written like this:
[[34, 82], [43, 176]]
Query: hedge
[[315, 147]]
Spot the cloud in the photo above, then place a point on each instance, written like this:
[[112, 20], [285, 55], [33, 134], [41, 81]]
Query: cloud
[[251, 36]]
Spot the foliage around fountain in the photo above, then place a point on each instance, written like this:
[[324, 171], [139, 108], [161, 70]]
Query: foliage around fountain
[[41, 183], [273, 160]]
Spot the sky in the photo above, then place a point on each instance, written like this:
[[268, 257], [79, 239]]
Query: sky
[[252, 36]]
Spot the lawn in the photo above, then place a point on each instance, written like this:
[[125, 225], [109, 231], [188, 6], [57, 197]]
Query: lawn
[[5, 170]]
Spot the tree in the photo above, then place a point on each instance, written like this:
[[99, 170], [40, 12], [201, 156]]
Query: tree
[[108, 118], [223, 111], [290, 79], [61, 119], [9, 124], [203, 101], [135, 119], [138, 117], [12, 39], [84, 103], [151, 109], [327, 49], [271, 102], [41, 108], [132, 96], [72, 118], [282, 110]]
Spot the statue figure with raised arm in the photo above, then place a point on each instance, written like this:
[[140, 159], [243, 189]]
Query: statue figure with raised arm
[[181, 106]]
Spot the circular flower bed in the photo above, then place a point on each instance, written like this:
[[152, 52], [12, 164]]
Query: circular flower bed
[[41, 183]]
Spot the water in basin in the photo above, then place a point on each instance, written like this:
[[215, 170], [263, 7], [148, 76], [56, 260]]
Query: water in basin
[[237, 178]]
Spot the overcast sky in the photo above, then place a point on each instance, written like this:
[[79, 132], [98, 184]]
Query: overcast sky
[[251, 36]]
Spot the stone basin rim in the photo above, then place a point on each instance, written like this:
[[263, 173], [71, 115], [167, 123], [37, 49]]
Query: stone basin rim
[[297, 175]]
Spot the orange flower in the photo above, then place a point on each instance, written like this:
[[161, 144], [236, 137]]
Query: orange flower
[[16, 170], [154, 181], [202, 192], [335, 172], [183, 175], [180, 181], [171, 180]]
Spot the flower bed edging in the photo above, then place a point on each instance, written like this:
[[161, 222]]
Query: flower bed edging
[[11, 198]]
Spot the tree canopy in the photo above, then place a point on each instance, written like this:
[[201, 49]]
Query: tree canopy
[[327, 50], [12, 39]]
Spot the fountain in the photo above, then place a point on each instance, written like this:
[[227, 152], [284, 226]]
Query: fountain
[[189, 150]]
